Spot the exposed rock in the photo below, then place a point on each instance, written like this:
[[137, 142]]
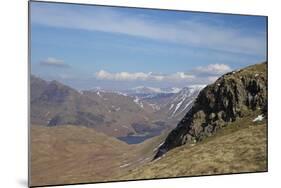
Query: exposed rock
[[231, 97]]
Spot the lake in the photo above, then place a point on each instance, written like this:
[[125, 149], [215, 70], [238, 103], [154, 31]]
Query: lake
[[135, 139]]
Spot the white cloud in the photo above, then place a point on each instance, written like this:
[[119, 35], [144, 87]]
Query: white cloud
[[213, 69], [141, 76], [206, 74], [188, 32], [104, 75], [50, 61]]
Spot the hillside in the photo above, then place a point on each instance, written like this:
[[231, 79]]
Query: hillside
[[233, 96], [224, 132], [69, 154], [239, 147]]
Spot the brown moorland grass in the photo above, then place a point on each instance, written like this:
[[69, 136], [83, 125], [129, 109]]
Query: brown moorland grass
[[76, 154], [71, 154], [239, 147]]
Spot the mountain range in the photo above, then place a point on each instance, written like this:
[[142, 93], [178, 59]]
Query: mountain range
[[138, 111]]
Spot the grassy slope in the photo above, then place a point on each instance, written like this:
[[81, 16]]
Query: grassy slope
[[75, 154], [71, 154], [239, 147]]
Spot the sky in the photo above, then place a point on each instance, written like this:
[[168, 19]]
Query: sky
[[119, 48]]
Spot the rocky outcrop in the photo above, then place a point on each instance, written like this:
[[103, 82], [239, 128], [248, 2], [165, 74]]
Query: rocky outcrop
[[232, 96]]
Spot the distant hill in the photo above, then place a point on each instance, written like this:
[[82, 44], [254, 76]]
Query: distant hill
[[142, 111], [169, 104], [53, 104], [180, 103]]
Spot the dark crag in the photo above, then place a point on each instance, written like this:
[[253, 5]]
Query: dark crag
[[232, 96]]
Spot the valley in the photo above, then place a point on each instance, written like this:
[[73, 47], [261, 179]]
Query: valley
[[115, 113], [122, 93], [98, 136], [67, 154]]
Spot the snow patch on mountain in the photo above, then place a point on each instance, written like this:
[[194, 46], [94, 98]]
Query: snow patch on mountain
[[177, 107], [172, 105], [152, 90], [183, 100], [138, 102], [98, 93], [187, 105], [155, 107], [120, 93], [259, 118]]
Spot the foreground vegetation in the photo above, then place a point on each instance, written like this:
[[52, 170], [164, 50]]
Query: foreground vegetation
[[239, 147], [75, 154]]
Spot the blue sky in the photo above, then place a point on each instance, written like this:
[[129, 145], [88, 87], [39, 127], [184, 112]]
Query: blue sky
[[116, 48]]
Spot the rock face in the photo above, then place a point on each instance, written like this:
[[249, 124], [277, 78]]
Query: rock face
[[232, 96]]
